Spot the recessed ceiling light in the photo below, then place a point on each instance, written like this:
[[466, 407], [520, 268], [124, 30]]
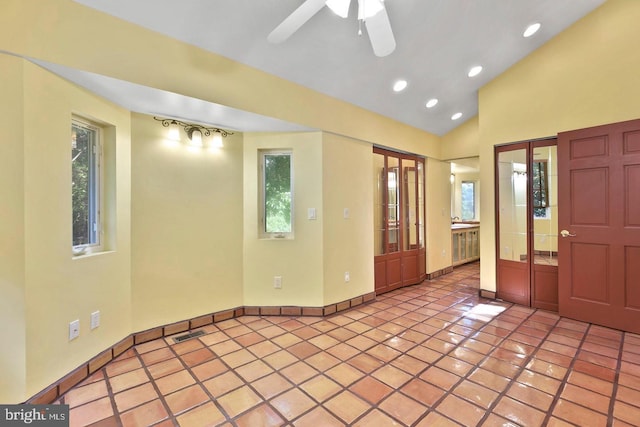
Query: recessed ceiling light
[[474, 71], [431, 103], [399, 85], [456, 116], [531, 30]]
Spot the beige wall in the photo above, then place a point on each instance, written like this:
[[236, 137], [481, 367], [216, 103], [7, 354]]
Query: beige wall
[[462, 142], [48, 286], [347, 177], [586, 76], [438, 201], [299, 260], [186, 226], [13, 361]]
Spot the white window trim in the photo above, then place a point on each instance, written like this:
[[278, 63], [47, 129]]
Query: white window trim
[[98, 152]]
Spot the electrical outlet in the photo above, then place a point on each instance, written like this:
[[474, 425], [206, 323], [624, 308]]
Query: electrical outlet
[[347, 277], [74, 329], [277, 282], [95, 319]]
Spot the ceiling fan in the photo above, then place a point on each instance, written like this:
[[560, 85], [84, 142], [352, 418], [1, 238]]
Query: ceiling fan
[[371, 12]]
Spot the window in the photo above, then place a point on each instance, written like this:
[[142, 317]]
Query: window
[[540, 189], [85, 186], [277, 194], [468, 205]]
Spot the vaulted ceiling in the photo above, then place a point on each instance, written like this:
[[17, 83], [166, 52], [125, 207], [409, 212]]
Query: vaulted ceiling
[[438, 42]]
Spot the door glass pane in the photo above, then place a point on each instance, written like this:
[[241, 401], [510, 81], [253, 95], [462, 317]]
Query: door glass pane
[[512, 197], [379, 221], [421, 207], [455, 247], [393, 203], [410, 234], [545, 205]]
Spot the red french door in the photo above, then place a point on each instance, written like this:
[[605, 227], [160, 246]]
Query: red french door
[[526, 223], [399, 250]]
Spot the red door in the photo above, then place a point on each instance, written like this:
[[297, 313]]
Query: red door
[[599, 217]]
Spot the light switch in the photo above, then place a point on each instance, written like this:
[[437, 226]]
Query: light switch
[[346, 213], [311, 213]]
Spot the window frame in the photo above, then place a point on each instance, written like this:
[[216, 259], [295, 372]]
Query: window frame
[[262, 232], [474, 185], [96, 179]]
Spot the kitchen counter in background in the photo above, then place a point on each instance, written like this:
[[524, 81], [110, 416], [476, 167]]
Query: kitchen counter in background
[[465, 242]]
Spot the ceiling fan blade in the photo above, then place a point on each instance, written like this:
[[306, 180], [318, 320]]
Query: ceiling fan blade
[[297, 19], [339, 7], [380, 33]]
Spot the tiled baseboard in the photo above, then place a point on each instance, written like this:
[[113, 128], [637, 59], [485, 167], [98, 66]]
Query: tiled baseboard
[[57, 389], [438, 273], [487, 294]]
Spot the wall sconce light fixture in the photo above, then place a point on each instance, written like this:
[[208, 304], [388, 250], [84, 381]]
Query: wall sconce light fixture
[[196, 133]]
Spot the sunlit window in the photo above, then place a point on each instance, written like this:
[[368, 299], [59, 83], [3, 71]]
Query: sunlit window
[[85, 185], [277, 194], [468, 206]]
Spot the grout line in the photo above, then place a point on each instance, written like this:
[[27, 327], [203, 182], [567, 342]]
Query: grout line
[[112, 396], [161, 396], [439, 303], [522, 368], [565, 379], [616, 379]]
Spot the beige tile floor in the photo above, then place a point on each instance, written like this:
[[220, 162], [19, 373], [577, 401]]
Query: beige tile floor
[[433, 354]]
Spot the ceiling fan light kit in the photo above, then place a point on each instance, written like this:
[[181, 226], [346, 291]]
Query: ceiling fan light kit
[[372, 12]]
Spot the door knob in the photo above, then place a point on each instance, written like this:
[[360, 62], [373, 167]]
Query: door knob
[[565, 233]]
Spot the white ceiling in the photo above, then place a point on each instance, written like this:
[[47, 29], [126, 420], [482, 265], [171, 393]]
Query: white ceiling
[[438, 41], [143, 99]]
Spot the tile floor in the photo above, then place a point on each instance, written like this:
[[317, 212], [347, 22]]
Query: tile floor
[[434, 354]]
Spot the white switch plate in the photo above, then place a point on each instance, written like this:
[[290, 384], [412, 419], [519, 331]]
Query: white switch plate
[[346, 213], [311, 213], [74, 329], [95, 319], [277, 282], [347, 276]]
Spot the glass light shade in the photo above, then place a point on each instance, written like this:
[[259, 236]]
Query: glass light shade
[[174, 132], [196, 138], [216, 140], [339, 7]]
